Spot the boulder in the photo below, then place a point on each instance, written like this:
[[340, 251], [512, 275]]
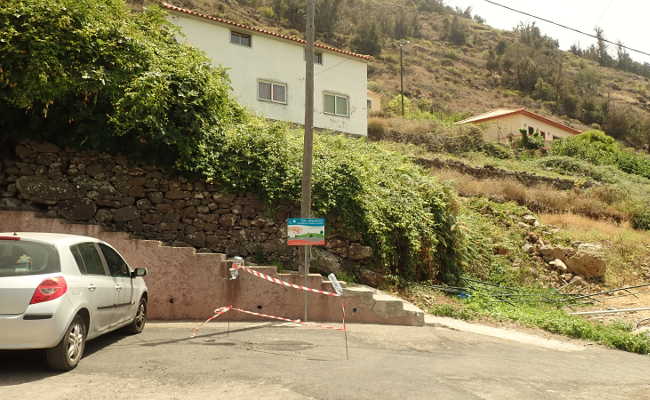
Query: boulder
[[550, 253], [588, 265], [43, 190], [125, 214], [324, 261], [81, 210], [528, 248], [559, 265], [359, 252], [228, 220], [371, 278], [530, 220]]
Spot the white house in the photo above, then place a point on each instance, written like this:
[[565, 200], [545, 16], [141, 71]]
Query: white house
[[502, 125], [267, 71]]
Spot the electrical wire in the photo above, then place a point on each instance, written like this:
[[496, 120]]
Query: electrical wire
[[566, 27]]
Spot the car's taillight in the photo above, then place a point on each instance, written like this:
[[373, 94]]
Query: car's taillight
[[49, 289], [9, 238]]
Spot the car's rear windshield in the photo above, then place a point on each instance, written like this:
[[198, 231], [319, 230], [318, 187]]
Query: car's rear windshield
[[22, 257]]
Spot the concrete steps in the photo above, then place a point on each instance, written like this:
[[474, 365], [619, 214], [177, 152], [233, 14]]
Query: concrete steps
[[378, 302]]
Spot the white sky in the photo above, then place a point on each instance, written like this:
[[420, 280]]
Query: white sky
[[625, 20]]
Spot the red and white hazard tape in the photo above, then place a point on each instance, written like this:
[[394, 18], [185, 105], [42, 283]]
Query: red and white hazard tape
[[222, 310], [284, 283], [218, 312], [295, 321]]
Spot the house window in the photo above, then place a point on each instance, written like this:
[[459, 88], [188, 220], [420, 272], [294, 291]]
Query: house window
[[272, 91], [240, 39], [318, 57], [531, 130], [336, 104]]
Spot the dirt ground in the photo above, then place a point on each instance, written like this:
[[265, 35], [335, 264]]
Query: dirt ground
[[634, 298], [254, 361]]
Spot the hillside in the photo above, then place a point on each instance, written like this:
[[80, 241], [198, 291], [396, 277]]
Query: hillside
[[455, 65], [428, 204]]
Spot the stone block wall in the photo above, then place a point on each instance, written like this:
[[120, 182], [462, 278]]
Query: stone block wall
[[150, 202]]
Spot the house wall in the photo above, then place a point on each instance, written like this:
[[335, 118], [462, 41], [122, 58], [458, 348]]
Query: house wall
[[375, 99], [280, 60], [501, 129]]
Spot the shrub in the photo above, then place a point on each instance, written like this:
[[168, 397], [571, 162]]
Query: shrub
[[376, 129], [598, 148], [641, 219], [572, 166], [498, 150], [93, 66], [405, 214]]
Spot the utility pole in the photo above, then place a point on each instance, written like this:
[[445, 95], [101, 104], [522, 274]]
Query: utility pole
[[305, 204], [402, 43]]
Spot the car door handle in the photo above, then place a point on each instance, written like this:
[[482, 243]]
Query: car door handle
[[92, 288]]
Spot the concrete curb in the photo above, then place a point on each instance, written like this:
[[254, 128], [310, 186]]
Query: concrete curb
[[501, 333]]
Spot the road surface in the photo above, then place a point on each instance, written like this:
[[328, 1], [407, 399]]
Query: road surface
[[268, 361]]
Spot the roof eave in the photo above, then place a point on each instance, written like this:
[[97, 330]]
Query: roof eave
[[251, 29]]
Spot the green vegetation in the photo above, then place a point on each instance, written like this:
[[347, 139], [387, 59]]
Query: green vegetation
[[538, 315], [109, 79], [597, 148], [91, 74], [116, 80]]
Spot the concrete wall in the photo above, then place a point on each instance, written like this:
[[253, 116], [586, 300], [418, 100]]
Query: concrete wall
[[186, 285], [501, 129], [375, 99], [281, 60]]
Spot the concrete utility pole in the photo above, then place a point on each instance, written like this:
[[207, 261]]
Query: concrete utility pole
[[305, 204], [402, 43]]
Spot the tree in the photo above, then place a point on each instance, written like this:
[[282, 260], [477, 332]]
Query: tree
[[366, 40], [457, 32], [623, 59], [603, 57], [327, 16]]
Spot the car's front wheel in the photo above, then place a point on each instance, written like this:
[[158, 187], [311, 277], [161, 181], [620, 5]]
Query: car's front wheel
[[66, 355], [137, 325]]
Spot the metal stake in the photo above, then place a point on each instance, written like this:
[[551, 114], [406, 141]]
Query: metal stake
[[345, 331], [306, 275]]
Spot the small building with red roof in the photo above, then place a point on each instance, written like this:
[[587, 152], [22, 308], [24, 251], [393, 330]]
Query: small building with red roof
[[503, 125], [267, 71]]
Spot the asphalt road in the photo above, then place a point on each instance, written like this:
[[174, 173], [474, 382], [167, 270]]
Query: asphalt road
[[265, 361]]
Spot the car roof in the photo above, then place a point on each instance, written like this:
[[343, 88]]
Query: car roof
[[52, 238]]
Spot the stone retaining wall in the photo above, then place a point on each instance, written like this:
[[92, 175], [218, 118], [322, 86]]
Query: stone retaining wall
[[488, 171], [153, 203]]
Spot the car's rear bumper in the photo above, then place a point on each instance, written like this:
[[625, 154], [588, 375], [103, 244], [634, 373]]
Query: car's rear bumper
[[37, 328]]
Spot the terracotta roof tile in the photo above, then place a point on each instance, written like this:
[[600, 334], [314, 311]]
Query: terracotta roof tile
[[262, 31], [501, 112]]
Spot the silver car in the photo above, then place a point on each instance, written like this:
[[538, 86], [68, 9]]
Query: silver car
[[58, 291]]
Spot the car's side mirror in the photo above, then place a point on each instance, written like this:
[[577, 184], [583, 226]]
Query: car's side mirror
[[138, 272]]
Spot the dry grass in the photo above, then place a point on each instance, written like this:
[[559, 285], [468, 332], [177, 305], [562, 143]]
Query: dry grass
[[627, 251], [540, 198]]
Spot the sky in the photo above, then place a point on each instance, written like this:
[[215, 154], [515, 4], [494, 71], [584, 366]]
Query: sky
[[625, 20]]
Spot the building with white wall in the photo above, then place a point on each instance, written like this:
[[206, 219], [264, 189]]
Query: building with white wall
[[267, 71], [504, 125]]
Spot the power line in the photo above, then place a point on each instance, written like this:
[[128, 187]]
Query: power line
[[567, 27]]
